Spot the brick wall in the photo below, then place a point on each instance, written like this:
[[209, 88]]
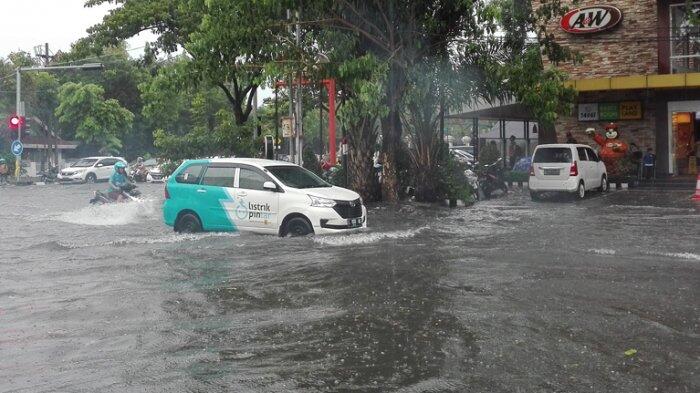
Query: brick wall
[[630, 48], [641, 132]]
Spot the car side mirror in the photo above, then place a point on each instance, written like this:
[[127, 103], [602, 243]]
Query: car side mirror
[[268, 185], [100, 165]]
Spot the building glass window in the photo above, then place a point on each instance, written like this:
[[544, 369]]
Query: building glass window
[[685, 38]]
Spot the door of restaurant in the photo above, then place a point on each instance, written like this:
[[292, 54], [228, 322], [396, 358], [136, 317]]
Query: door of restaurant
[[684, 132]]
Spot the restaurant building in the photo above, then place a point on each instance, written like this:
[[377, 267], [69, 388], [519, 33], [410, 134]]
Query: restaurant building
[[640, 69]]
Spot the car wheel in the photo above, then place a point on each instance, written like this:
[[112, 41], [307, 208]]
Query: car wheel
[[535, 196], [298, 226], [90, 178], [188, 223], [604, 185], [581, 190]]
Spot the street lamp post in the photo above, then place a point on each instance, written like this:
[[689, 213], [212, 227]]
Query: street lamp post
[[18, 104]]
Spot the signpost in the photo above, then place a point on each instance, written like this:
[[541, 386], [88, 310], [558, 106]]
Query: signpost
[[17, 148]]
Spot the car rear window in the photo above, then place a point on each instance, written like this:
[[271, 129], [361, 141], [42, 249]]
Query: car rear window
[[552, 154], [190, 175]]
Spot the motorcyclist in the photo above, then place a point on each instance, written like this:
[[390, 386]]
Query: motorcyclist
[[118, 181], [3, 171]]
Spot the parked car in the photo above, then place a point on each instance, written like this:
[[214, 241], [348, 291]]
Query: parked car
[[256, 195], [571, 168], [89, 170], [155, 172], [462, 156]]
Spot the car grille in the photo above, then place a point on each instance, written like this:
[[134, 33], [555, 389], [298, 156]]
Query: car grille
[[348, 209]]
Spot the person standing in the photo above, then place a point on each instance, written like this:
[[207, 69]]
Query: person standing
[[515, 152], [649, 161], [570, 138]]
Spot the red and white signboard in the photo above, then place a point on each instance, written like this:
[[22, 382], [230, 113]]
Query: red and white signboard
[[593, 19]]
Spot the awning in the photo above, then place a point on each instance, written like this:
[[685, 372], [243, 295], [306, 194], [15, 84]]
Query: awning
[[637, 82], [510, 112]]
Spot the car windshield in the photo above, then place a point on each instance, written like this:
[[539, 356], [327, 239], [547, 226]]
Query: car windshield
[[296, 177], [553, 155], [85, 162]]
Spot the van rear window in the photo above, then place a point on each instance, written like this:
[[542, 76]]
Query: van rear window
[[552, 154]]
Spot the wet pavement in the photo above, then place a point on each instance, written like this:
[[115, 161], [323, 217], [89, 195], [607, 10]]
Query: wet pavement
[[506, 296]]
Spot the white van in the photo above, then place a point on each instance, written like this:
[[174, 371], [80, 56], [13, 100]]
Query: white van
[[256, 195], [571, 168]]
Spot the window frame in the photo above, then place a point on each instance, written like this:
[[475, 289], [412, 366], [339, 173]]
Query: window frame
[[671, 57], [580, 149], [219, 165], [201, 166], [259, 171]]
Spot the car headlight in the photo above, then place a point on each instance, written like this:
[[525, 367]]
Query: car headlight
[[321, 202]]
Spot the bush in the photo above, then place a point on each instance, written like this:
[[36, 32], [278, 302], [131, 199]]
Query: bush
[[453, 183]]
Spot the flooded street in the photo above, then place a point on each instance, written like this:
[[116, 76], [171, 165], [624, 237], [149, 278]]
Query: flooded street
[[507, 296]]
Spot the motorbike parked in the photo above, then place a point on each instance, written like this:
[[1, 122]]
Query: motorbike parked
[[490, 178], [49, 176], [127, 193]]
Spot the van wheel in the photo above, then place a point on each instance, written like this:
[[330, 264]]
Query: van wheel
[[90, 178], [298, 226], [535, 196], [581, 190], [604, 185], [188, 223]]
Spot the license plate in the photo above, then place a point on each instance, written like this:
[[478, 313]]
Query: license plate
[[355, 222], [554, 172]]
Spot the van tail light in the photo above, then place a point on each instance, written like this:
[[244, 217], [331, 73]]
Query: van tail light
[[532, 170], [573, 171], [167, 194]]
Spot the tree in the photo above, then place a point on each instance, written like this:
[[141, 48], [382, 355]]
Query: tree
[[96, 120]]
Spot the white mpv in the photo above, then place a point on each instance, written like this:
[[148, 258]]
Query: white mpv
[[255, 195], [571, 168], [89, 170]]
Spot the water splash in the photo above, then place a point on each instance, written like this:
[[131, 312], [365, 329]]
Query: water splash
[[365, 238], [110, 214], [602, 251]]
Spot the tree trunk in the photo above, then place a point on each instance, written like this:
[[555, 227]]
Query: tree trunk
[[362, 179], [391, 137], [547, 133], [426, 184]]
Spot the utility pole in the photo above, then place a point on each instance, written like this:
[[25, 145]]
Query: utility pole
[[290, 84], [300, 114]]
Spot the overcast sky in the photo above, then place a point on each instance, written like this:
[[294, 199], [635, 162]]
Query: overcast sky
[[58, 22]]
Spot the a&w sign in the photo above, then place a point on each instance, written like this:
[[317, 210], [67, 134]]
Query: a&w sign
[[591, 19]]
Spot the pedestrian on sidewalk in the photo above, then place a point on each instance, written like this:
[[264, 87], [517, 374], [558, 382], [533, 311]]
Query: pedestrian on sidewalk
[[649, 161]]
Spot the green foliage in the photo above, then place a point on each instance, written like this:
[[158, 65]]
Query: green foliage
[[311, 161], [96, 121], [489, 154], [453, 183]]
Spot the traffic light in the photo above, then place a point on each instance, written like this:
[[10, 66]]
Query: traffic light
[[15, 121]]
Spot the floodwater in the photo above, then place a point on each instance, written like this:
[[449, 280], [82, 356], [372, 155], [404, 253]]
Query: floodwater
[[600, 295]]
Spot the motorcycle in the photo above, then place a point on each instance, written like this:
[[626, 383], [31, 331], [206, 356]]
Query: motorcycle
[[128, 193], [49, 176], [490, 178], [139, 174]]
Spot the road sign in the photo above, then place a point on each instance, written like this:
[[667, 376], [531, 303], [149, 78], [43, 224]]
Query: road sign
[[17, 148], [287, 127]]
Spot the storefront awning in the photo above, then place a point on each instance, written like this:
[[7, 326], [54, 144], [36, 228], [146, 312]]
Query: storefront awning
[[636, 82], [510, 112]]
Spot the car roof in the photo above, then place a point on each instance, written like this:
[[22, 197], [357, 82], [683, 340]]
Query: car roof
[[562, 145], [259, 162], [99, 158]]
